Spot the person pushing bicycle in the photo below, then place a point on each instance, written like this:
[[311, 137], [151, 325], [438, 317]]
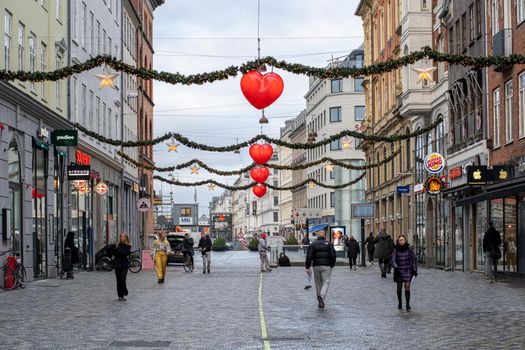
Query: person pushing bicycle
[[187, 247]]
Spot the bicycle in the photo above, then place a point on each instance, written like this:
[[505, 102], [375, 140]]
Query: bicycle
[[135, 263], [188, 263], [11, 279]]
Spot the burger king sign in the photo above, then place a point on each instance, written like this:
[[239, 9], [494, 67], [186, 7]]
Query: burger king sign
[[434, 163]]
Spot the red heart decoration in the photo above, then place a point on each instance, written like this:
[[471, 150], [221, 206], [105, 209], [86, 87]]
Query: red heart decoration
[[261, 153], [259, 190], [259, 174], [261, 90]]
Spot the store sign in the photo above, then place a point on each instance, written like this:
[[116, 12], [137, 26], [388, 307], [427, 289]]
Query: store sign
[[43, 133], [454, 173], [434, 163], [403, 189], [434, 185], [136, 187], [186, 220], [419, 187], [79, 183], [501, 173], [64, 137], [82, 158], [78, 172], [477, 175], [101, 188]]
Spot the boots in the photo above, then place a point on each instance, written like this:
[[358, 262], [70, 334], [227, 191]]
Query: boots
[[407, 298], [399, 302]]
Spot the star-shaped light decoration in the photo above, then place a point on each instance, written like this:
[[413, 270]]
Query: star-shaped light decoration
[[173, 146], [424, 74], [329, 167], [347, 143], [211, 187], [106, 80], [194, 169]]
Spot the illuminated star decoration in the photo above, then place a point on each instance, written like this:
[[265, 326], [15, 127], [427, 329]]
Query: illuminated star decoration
[[194, 169], [173, 146], [347, 143], [424, 74], [106, 80], [211, 187], [329, 167]]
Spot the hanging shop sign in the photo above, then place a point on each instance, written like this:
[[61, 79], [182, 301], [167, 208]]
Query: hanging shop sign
[[101, 188], [501, 172], [43, 133], [78, 172], [82, 158], [434, 185], [477, 174], [64, 137], [434, 163], [419, 187], [79, 183], [83, 190], [454, 173], [143, 204]]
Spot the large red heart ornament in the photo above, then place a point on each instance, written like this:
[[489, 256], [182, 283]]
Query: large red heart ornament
[[261, 153], [261, 90], [259, 190], [259, 174]]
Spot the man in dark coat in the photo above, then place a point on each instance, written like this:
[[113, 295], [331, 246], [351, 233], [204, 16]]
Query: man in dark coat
[[383, 251], [353, 250], [491, 243], [305, 243], [370, 247], [205, 246], [187, 247], [322, 256]]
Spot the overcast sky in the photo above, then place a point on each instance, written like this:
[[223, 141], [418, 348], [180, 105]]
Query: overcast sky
[[194, 36]]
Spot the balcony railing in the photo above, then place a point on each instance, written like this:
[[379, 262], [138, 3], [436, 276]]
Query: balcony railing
[[465, 132]]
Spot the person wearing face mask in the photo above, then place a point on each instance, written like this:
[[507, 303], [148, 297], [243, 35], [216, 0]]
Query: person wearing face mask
[[404, 263]]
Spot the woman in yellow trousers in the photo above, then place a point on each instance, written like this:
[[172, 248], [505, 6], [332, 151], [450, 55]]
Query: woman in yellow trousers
[[161, 250]]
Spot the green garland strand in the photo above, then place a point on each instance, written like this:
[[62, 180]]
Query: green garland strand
[[249, 167], [245, 187], [232, 71], [305, 146]]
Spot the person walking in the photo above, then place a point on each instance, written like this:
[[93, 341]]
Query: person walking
[[159, 254], [353, 251], [121, 254], [491, 243], [370, 247], [404, 263], [187, 247], [305, 243], [205, 247], [70, 257], [384, 245], [263, 254], [322, 256]]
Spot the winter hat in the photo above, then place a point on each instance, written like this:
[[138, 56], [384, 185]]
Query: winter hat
[[263, 236]]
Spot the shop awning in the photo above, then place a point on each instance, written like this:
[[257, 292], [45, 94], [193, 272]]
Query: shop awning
[[317, 228], [498, 190]]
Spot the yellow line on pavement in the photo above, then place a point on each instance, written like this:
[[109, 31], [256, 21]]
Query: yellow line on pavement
[[264, 333]]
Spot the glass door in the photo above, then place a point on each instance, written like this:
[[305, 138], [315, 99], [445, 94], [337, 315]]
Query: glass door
[[458, 237]]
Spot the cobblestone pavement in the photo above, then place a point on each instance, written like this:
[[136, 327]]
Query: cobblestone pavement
[[451, 310]]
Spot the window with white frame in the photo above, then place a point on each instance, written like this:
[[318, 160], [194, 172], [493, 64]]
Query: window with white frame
[[58, 83], [90, 106], [494, 18], [521, 104], [104, 39], [84, 24], [74, 19], [337, 85], [7, 40], [521, 10], [104, 111], [58, 9], [43, 67], [472, 22], [99, 47], [92, 33], [359, 113], [332, 199], [508, 111], [84, 105], [335, 114], [335, 145], [97, 114], [32, 58], [110, 115], [75, 99], [21, 35], [495, 112]]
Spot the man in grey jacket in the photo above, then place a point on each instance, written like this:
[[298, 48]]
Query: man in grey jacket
[[263, 254]]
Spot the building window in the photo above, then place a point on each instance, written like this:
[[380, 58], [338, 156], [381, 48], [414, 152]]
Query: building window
[[104, 111], [91, 104], [494, 19], [472, 22], [358, 84], [74, 19], [21, 36], [84, 105], [385, 167], [496, 102], [464, 31], [43, 55], [451, 40], [521, 10], [358, 61], [275, 216], [357, 142], [275, 200], [332, 199], [458, 37], [359, 113], [92, 33], [58, 12], [84, 23], [104, 38], [521, 104], [110, 113], [335, 145], [185, 211], [7, 40], [99, 47], [337, 85], [97, 115], [32, 58], [478, 17], [424, 5], [408, 154], [58, 83], [335, 114], [74, 111], [393, 161], [508, 111]]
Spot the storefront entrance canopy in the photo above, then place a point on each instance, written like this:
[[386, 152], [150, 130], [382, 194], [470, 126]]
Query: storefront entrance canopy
[[497, 190]]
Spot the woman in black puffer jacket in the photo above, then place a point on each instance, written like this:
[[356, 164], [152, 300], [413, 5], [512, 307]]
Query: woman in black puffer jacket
[[405, 268]]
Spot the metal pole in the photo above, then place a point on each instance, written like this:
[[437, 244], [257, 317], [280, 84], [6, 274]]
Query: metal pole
[[363, 251]]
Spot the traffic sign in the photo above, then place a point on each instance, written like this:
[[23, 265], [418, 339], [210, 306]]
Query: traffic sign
[[143, 204]]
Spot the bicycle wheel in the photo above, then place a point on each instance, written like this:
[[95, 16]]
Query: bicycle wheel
[[21, 276], [187, 264], [7, 278], [106, 264], [135, 265]]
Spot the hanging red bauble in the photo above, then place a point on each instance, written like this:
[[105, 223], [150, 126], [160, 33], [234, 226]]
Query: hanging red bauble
[[259, 174], [261, 90], [259, 190], [261, 153]]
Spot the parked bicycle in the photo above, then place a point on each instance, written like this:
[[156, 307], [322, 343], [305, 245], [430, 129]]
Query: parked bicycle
[[135, 262], [12, 278]]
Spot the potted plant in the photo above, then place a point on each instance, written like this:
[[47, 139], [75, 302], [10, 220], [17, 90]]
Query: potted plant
[[219, 244], [292, 243], [254, 245]]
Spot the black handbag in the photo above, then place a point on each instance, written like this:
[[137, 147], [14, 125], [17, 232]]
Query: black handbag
[[496, 253]]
